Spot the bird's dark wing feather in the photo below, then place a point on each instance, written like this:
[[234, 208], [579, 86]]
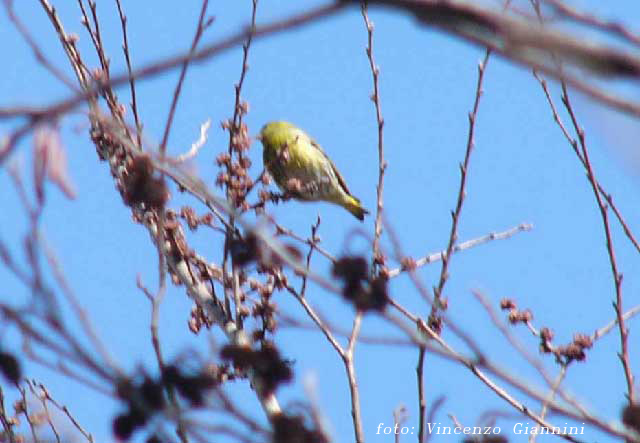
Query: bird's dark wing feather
[[343, 184]]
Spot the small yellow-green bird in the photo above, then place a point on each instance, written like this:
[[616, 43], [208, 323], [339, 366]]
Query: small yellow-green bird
[[301, 168]]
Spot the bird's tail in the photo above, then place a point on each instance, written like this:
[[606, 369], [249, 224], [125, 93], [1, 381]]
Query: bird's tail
[[354, 206]]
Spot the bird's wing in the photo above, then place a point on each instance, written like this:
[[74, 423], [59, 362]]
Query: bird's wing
[[341, 181]]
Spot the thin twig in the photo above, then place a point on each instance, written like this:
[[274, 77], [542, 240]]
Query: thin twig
[[615, 28], [235, 130], [464, 168], [347, 358], [601, 332], [37, 52], [281, 230], [156, 301], [68, 44], [313, 240], [399, 418], [617, 277], [422, 402], [7, 423], [432, 416], [66, 411], [200, 28], [79, 311], [317, 320], [431, 258], [382, 164], [29, 417], [132, 86], [552, 392], [574, 145], [105, 75]]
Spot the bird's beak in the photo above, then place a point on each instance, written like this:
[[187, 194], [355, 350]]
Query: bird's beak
[[258, 137]]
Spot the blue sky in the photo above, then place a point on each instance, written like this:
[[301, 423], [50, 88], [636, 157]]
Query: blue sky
[[318, 77]]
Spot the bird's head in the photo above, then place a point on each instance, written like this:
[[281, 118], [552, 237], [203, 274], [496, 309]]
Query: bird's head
[[276, 134]]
